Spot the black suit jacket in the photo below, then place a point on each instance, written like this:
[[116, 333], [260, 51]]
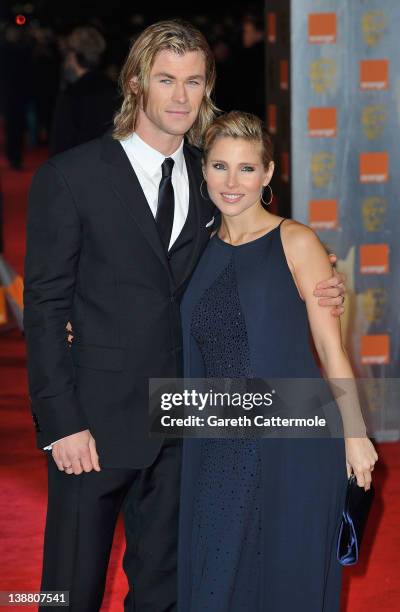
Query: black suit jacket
[[94, 258]]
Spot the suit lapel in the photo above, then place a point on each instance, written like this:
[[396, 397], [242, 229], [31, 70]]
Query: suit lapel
[[126, 186], [193, 166], [129, 191]]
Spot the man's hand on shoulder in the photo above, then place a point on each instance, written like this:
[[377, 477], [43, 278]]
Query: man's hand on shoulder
[[76, 453], [331, 292], [70, 331]]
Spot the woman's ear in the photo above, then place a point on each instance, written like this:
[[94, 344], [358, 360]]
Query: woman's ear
[[270, 172]]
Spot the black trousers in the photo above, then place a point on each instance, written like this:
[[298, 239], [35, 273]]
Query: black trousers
[[81, 517]]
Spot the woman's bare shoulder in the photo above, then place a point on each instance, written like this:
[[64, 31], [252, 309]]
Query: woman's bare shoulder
[[296, 235]]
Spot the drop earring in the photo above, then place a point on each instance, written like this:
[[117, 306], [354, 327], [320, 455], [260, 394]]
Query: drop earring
[[272, 196]]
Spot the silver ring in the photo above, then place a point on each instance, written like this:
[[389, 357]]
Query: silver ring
[[67, 467]]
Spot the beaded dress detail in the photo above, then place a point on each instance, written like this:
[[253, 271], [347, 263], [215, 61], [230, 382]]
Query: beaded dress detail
[[226, 514]]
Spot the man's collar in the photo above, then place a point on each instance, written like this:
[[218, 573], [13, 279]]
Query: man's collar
[[151, 159]]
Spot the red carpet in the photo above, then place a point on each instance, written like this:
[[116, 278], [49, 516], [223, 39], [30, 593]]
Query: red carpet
[[373, 585]]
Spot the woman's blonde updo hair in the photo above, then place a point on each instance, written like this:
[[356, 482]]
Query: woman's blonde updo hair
[[237, 124], [174, 35]]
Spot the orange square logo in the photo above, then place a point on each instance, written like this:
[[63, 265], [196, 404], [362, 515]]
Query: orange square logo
[[374, 167], [271, 27], [16, 291], [271, 118], [374, 74], [285, 167], [284, 74], [323, 214], [375, 349], [322, 28], [374, 258], [322, 122]]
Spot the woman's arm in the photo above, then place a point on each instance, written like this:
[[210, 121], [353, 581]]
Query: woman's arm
[[308, 262]]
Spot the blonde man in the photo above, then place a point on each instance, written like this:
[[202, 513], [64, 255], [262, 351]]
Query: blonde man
[[115, 229]]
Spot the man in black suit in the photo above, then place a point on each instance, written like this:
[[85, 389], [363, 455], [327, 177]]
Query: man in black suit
[[85, 109], [115, 229]]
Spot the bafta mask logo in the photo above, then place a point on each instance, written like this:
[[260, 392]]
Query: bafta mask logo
[[374, 304], [323, 75], [373, 120], [374, 213], [373, 25], [322, 167]]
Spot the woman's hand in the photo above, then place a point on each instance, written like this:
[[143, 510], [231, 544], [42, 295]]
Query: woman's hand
[[360, 459]]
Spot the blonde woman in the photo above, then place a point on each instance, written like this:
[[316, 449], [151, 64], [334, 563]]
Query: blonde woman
[[259, 518]]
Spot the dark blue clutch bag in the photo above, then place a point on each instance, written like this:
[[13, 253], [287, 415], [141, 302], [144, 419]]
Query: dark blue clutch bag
[[354, 518]]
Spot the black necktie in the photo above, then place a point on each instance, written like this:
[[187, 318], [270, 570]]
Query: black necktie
[[166, 203]]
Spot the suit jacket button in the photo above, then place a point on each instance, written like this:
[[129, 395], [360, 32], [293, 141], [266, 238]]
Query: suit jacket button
[[172, 298]]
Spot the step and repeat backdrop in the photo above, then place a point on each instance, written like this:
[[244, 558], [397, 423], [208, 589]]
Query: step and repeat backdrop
[[340, 77]]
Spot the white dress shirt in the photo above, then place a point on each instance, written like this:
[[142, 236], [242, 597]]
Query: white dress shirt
[[146, 163]]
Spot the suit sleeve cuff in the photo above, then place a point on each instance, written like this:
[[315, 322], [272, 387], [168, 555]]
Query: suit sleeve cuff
[[57, 417]]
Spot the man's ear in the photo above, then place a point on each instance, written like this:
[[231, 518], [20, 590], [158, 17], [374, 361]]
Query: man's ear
[[134, 84]]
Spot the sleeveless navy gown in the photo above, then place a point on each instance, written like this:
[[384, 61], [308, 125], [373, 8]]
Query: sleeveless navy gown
[[259, 517]]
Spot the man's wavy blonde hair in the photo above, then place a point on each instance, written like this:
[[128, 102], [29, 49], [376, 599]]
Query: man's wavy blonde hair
[[177, 36]]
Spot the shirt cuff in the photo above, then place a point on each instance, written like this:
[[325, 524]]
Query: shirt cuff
[[50, 446]]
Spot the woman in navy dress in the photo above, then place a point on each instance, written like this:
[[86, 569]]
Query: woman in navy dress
[[259, 517]]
